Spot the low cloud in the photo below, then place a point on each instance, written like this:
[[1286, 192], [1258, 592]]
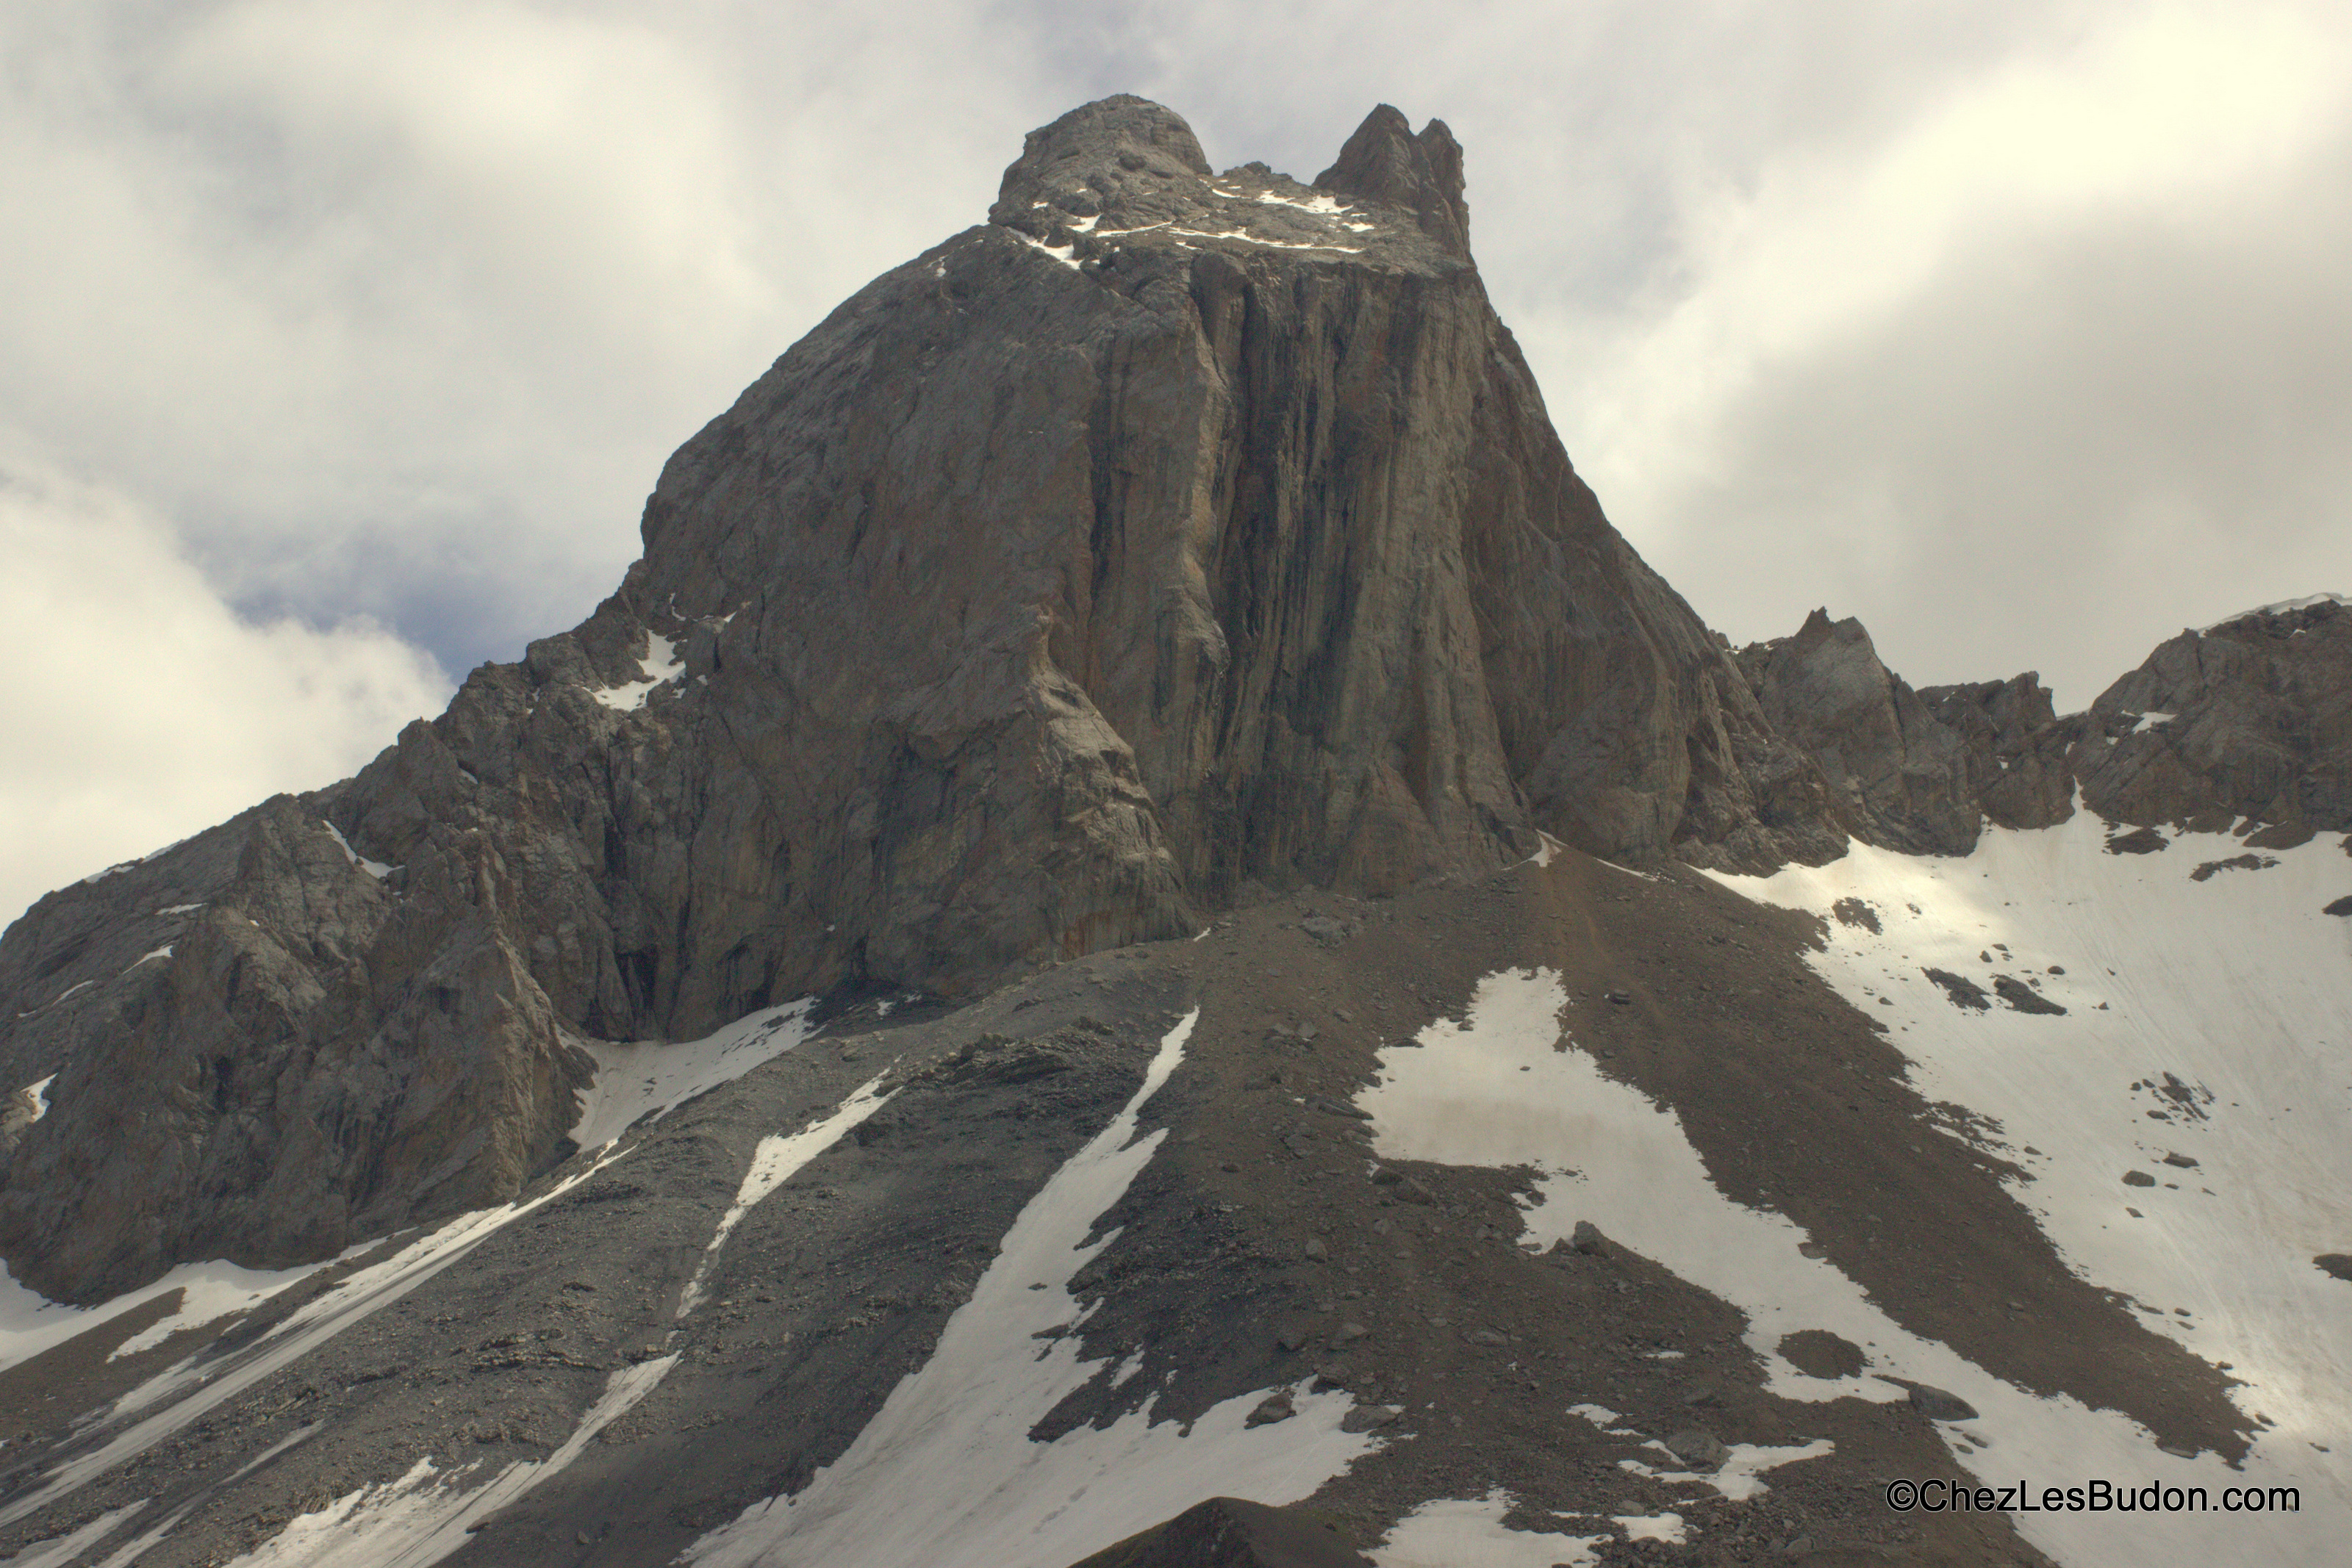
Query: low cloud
[[141, 708], [2048, 372]]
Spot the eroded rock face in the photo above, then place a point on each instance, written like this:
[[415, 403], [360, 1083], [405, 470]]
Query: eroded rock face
[[1899, 777], [2250, 719], [1919, 771], [1171, 538]]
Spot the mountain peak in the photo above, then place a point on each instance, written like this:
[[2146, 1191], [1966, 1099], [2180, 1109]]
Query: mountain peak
[[1125, 174], [1385, 162], [1120, 155]]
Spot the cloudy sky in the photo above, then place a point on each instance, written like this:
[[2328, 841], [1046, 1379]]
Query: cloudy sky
[[343, 338]]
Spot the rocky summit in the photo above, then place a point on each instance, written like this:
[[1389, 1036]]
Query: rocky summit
[[1138, 937]]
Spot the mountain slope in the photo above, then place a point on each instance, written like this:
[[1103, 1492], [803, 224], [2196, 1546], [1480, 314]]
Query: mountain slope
[[1137, 902], [1171, 538]]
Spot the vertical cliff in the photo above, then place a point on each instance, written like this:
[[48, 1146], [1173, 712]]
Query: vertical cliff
[[1169, 539]]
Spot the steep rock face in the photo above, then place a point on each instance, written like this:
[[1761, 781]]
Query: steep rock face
[[1169, 539], [2250, 719], [1919, 771], [2019, 750], [1899, 776], [310, 1053]]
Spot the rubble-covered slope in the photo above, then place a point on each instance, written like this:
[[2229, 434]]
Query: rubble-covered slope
[[1561, 1210]]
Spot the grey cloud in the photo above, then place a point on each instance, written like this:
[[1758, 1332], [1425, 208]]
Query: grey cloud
[[2070, 443]]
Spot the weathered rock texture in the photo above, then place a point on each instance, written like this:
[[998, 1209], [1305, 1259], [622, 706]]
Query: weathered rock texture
[[1920, 771], [2249, 722], [1169, 539], [1233, 1532]]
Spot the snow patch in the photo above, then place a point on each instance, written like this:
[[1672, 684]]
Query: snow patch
[[1249, 238], [2305, 602], [1666, 1527], [1322, 206], [210, 1291], [640, 1079], [2149, 720], [774, 1164], [30, 1323], [424, 1515], [183, 1394], [1468, 1533], [1068, 254], [59, 1550], [661, 664], [178, 909], [945, 1474], [376, 869], [163, 952], [1739, 1478], [38, 1093]]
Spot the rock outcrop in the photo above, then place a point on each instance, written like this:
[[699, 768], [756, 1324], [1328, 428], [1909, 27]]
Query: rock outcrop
[[2246, 723], [1233, 1532], [1919, 771], [1169, 539]]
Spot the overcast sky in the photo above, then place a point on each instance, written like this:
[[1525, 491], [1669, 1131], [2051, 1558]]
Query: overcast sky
[[344, 340]]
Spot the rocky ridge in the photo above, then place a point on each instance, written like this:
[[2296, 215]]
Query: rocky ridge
[[1171, 540]]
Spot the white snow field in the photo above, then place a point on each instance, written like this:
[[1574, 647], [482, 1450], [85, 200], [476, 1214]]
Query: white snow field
[[652, 1078], [946, 1475], [2240, 987], [2236, 984]]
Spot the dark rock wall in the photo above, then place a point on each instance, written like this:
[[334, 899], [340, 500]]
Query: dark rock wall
[[2261, 729], [1171, 538]]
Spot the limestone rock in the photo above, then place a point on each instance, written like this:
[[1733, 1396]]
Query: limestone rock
[[2250, 719], [1899, 777], [1169, 539]]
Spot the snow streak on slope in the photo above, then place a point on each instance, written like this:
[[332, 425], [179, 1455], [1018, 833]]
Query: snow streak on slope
[[2224, 1006], [1498, 1090], [59, 1550], [180, 1395], [426, 1514], [655, 1077], [422, 1518], [774, 1164], [946, 1475], [31, 1323]]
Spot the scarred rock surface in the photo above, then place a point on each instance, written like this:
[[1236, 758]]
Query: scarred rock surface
[[2250, 719], [1171, 540]]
